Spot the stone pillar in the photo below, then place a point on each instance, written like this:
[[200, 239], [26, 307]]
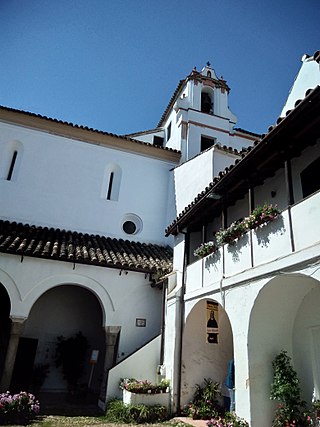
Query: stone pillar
[[17, 326], [112, 335]]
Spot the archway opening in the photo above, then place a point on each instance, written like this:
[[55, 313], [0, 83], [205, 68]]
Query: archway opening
[[283, 317], [61, 311], [206, 102], [5, 324], [207, 349]]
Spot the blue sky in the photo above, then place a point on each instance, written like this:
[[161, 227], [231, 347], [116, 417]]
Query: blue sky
[[114, 64]]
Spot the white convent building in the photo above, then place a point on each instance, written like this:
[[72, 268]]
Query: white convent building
[[97, 234]]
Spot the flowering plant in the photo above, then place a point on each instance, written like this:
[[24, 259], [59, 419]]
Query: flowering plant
[[230, 420], [233, 232], [22, 405], [290, 411], [261, 215], [205, 249], [145, 386]]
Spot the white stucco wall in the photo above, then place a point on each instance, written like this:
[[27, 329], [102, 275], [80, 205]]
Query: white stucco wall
[[122, 298], [202, 360], [306, 342], [133, 368], [61, 183], [196, 174], [281, 308], [308, 77]]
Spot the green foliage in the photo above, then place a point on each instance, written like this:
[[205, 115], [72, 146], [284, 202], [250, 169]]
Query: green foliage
[[143, 386], [70, 354], [119, 412], [230, 234], [259, 216], [205, 249], [286, 390], [204, 404]]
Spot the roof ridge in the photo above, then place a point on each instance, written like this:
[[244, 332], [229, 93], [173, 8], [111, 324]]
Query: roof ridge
[[86, 128]]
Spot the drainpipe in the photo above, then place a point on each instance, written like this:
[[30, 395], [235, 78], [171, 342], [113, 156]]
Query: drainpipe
[[163, 329], [182, 312], [224, 222], [203, 240], [251, 207], [290, 199]]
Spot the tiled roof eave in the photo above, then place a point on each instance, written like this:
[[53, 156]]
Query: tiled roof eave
[[124, 267], [24, 240], [83, 133]]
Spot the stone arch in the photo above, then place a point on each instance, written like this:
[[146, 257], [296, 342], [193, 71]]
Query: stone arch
[[201, 359], [279, 309], [12, 290], [75, 279], [62, 310]]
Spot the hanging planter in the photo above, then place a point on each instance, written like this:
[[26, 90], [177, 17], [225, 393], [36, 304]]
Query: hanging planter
[[205, 249], [260, 216]]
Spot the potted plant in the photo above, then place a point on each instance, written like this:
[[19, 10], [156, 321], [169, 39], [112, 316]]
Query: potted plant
[[285, 388], [205, 401], [261, 215], [205, 249], [230, 234], [145, 392], [70, 355]]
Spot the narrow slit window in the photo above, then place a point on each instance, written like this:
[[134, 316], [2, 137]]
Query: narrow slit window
[[169, 132], [13, 161], [110, 186]]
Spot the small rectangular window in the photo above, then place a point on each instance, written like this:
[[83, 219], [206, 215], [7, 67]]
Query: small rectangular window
[[206, 142], [158, 141], [169, 132]]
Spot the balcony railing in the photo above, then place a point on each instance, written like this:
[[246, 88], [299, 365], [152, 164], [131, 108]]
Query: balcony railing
[[260, 246]]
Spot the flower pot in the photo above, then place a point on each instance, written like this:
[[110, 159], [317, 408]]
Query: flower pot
[[162, 399]]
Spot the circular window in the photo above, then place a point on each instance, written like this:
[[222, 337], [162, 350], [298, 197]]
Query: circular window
[[131, 224], [129, 227]]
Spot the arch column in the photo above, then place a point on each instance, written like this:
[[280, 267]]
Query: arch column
[[112, 340], [16, 330]]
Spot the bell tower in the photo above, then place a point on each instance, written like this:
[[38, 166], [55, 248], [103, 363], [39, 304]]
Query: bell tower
[[198, 117]]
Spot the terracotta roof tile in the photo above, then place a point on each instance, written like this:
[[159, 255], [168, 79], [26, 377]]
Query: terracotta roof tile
[[42, 242]]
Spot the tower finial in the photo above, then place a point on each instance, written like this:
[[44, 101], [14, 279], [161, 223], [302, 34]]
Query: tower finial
[[208, 64]]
